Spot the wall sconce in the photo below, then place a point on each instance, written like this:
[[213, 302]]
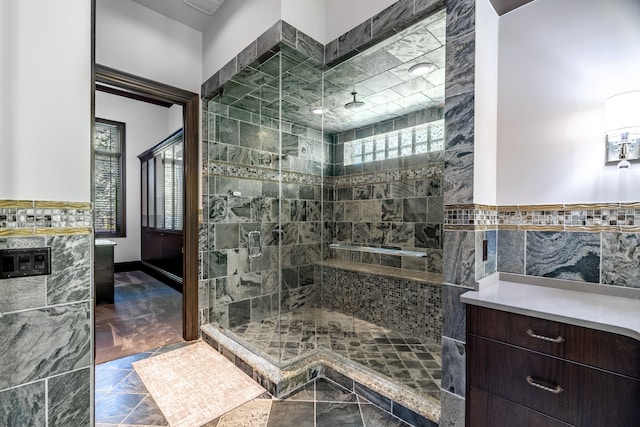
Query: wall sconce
[[622, 128]]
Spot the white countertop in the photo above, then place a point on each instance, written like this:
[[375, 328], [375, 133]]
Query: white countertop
[[105, 242], [615, 314]]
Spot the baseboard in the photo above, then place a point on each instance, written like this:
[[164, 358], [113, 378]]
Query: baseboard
[[166, 278], [123, 267]]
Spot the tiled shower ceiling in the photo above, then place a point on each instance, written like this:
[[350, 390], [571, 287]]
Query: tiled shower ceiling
[[380, 76]]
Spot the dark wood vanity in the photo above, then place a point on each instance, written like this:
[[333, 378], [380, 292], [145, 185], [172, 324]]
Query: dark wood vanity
[[528, 371]]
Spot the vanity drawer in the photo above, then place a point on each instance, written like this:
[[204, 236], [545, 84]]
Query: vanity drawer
[[605, 350], [587, 395], [493, 411]]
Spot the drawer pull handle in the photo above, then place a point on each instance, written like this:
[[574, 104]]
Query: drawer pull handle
[[557, 340], [556, 390]]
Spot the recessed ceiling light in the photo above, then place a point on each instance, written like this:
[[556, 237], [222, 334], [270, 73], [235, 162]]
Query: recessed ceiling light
[[318, 110], [422, 68]]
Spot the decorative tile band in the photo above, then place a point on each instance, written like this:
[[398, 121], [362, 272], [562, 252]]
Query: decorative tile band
[[235, 170], [589, 217], [395, 175], [27, 218]]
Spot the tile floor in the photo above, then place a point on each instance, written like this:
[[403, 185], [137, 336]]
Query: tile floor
[[405, 360], [122, 400], [147, 314]]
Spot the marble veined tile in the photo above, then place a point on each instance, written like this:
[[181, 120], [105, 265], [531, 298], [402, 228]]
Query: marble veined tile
[[44, 342], [453, 366], [390, 17], [459, 257], [458, 177], [460, 70], [620, 259], [459, 121], [70, 278], [23, 403], [563, 255], [22, 293], [70, 399], [460, 18], [511, 251]]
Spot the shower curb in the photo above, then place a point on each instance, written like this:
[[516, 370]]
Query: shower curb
[[322, 363]]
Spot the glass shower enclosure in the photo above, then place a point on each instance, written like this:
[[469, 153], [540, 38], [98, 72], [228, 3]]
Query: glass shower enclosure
[[267, 161], [316, 178]]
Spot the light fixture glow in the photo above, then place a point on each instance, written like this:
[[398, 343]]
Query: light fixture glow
[[622, 128], [318, 110], [422, 68]]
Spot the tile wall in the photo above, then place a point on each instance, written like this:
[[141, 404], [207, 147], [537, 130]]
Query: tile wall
[[389, 203], [45, 321], [592, 243], [242, 194]]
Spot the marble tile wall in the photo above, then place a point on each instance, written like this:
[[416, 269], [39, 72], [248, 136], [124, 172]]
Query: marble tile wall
[[458, 247], [594, 243], [389, 203], [242, 194], [461, 259], [45, 321]]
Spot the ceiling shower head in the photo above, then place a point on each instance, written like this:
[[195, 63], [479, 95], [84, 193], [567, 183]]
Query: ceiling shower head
[[355, 104]]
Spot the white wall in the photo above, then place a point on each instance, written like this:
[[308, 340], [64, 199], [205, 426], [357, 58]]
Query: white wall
[[308, 16], [558, 62], [233, 27], [135, 39], [486, 104], [176, 118], [146, 125], [343, 15], [46, 99], [6, 41]]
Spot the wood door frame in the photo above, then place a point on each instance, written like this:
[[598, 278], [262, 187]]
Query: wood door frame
[[121, 83]]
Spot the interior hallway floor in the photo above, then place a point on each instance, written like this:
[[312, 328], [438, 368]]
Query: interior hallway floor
[[147, 314], [122, 400]]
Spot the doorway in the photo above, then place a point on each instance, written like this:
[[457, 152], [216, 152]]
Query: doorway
[[120, 83]]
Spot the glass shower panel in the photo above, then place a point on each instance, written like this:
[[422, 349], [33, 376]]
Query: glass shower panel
[[304, 151], [245, 225]]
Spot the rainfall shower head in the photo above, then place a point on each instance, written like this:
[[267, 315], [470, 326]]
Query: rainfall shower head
[[355, 104]]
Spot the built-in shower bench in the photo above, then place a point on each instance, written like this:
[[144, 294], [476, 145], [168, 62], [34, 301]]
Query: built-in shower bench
[[403, 300]]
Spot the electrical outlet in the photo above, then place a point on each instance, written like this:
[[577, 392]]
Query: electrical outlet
[[24, 262], [485, 250]]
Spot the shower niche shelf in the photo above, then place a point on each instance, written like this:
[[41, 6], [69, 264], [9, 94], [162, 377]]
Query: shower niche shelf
[[371, 249]]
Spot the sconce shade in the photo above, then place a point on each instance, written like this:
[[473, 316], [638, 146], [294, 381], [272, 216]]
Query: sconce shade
[[622, 112]]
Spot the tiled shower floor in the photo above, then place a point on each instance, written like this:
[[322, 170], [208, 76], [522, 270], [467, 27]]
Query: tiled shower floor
[[405, 360]]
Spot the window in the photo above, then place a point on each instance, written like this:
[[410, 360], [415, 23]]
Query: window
[[405, 142], [162, 184], [109, 179]]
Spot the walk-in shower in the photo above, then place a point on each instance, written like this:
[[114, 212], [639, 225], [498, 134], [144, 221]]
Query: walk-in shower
[[322, 224]]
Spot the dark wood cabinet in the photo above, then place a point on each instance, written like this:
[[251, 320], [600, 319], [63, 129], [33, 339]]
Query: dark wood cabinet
[[163, 249], [103, 272], [546, 373]]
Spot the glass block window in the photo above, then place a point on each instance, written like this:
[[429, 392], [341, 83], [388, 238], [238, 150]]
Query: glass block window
[[109, 178], [405, 142]]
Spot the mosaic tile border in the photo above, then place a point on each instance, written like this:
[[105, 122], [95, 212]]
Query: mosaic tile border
[[216, 167], [395, 175], [589, 217], [37, 217]]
